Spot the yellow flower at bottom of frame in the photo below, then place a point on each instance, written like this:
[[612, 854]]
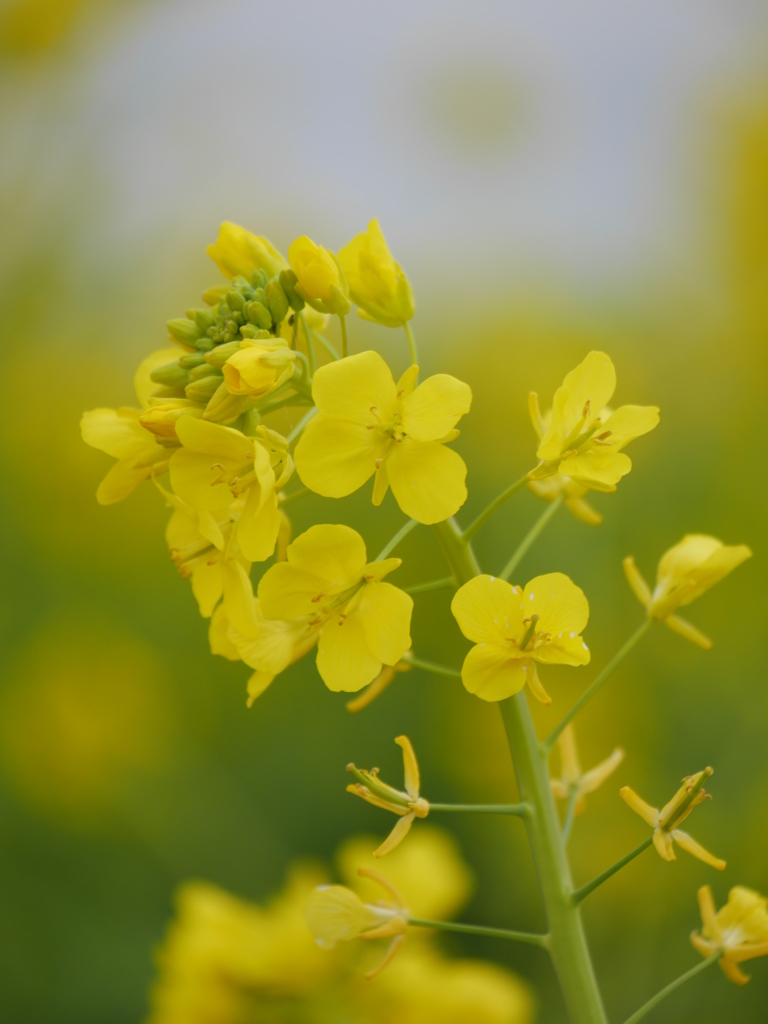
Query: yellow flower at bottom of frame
[[366, 424], [572, 777], [665, 822], [689, 568], [408, 804], [514, 628], [363, 622], [236, 252], [217, 464], [739, 929], [377, 284], [582, 438]]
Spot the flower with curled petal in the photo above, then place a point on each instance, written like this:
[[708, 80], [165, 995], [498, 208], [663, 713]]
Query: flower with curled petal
[[367, 425], [514, 628], [665, 822], [739, 930]]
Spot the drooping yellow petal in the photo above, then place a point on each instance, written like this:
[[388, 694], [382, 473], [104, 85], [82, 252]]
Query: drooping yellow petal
[[385, 612], [491, 674], [637, 581], [732, 972], [435, 407], [207, 587], [709, 913], [257, 684], [238, 596], [629, 422], [218, 636], [396, 836], [664, 846], [214, 439], [335, 914], [534, 683], [350, 388], [578, 402], [410, 767], [335, 457], [488, 609], [427, 480], [687, 843], [649, 814], [344, 660], [380, 484], [116, 432], [126, 475], [258, 527], [596, 776], [559, 603], [596, 469], [583, 511], [685, 629], [535, 413]]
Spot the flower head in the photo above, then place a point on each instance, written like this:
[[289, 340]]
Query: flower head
[[366, 424], [571, 775], [665, 822], [582, 438], [685, 572], [320, 280], [514, 628], [363, 622], [218, 464], [337, 914], [408, 804], [237, 252], [739, 929], [376, 283]]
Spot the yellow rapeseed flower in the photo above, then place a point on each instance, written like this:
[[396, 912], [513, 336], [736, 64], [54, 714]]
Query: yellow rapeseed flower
[[408, 804], [337, 914], [377, 284], [571, 775], [258, 367], [664, 822], [553, 487], [582, 438], [685, 572], [217, 464], [363, 622], [739, 929], [366, 424], [320, 280], [121, 434], [237, 252], [514, 628]]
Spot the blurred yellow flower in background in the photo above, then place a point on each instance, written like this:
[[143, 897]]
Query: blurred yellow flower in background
[[739, 929], [236, 252], [366, 424], [571, 775], [377, 284], [665, 822], [512, 629], [363, 622], [685, 572], [581, 438]]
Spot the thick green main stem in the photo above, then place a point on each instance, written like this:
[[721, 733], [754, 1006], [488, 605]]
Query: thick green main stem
[[567, 941]]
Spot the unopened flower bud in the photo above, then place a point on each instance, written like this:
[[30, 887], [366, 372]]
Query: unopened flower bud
[[259, 367], [172, 375], [186, 332], [259, 278], [202, 317], [213, 296], [259, 315], [235, 299], [225, 407], [219, 355], [191, 359], [160, 419], [276, 301], [203, 370], [288, 282], [205, 389]]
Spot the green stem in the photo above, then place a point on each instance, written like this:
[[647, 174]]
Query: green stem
[[484, 516], [477, 929], [567, 941], [301, 424], [344, 340], [517, 810], [411, 343], [585, 890], [647, 1007], [294, 496], [590, 692], [530, 537], [570, 814], [430, 666], [310, 345], [402, 532], [447, 583], [326, 344]]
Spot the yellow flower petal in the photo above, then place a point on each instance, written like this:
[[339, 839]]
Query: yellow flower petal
[[116, 432], [691, 567], [349, 388], [637, 582], [410, 767], [689, 844], [491, 674], [315, 268], [287, 591], [258, 527], [649, 814], [125, 476], [563, 651], [596, 469], [335, 457], [385, 612], [488, 609], [193, 476], [238, 596], [257, 684], [214, 439], [435, 407], [559, 603], [593, 381], [596, 776], [344, 659], [238, 252], [629, 422], [663, 843], [427, 480], [335, 914], [207, 588], [218, 635], [534, 683], [334, 552], [273, 645], [684, 628], [396, 836], [583, 511], [142, 384]]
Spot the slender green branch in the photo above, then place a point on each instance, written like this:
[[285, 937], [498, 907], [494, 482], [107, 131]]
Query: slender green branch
[[430, 666], [483, 518], [530, 537], [647, 1007], [344, 340], [477, 929], [310, 345], [411, 343], [401, 533], [585, 890], [294, 496], [570, 814], [301, 424], [590, 692], [516, 810], [447, 583], [326, 344]]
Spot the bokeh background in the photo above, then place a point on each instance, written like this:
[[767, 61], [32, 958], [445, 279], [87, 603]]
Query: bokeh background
[[554, 177]]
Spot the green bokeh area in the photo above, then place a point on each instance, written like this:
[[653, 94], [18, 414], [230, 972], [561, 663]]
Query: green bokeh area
[[128, 760]]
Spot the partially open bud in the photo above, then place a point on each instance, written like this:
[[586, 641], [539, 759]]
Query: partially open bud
[[259, 367], [160, 419], [172, 375], [277, 301], [185, 332], [320, 280], [238, 252], [205, 388], [225, 407]]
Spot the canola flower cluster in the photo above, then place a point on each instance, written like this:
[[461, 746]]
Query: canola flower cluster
[[202, 435]]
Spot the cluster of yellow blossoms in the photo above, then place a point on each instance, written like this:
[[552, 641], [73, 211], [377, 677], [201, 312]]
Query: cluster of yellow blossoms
[[257, 350]]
